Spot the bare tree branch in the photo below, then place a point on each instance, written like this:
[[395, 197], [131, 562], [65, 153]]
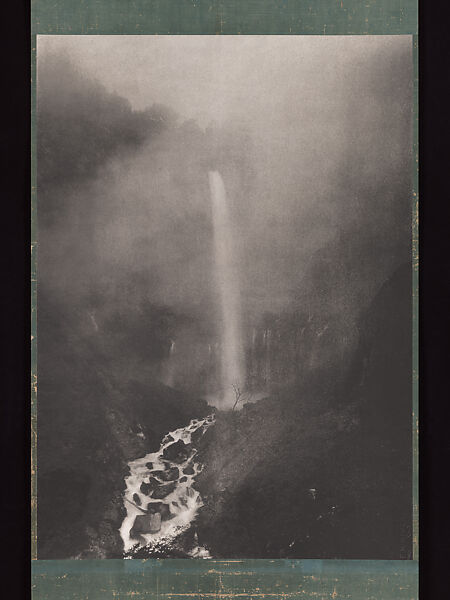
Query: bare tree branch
[[240, 396]]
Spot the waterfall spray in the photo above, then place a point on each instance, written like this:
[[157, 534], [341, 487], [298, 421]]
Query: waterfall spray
[[232, 355]]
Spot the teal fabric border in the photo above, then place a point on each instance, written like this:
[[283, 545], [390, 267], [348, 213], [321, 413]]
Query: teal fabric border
[[323, 17], [244, 579]]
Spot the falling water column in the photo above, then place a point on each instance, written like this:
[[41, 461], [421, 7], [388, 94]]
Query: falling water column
[[232, 356]]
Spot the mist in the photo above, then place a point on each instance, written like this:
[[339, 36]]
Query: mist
[[224, 212], [311, 136]]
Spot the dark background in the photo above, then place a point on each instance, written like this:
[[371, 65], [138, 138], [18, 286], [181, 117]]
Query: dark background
[[434, 285], [434, 296], [15, 299]]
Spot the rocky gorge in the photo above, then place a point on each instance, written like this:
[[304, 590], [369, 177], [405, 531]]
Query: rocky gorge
[[299, 473]]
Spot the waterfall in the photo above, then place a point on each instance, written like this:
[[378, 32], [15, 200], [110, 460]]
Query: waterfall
[[231, 350], [168, 367]]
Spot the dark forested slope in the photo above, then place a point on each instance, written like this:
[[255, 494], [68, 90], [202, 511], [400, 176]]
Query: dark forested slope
[[321, 470], [93, 418]]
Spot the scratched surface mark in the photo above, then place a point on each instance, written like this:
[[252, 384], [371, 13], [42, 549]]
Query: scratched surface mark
[[306, 17], [180, 579]]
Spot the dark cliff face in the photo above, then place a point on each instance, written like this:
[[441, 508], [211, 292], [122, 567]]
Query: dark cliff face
[[322, 470], [93, 419]]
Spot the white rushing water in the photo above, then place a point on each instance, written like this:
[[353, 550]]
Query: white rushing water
[[226, 272], [161, 490]]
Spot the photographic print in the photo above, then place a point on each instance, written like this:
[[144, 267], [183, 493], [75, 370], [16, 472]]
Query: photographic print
[[224, 304]]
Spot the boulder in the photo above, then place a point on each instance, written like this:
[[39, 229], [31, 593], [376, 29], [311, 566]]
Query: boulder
[[171, 474], [182, 479], [189, 470], [177, 452], [149, 465], [163, 490], [146, 488], [166, 515], [161, 508], [136, 499], [154, 507], [143, 524]]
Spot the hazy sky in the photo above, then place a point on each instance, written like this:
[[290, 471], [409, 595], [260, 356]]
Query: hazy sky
[[313, 139], [215, 78]]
